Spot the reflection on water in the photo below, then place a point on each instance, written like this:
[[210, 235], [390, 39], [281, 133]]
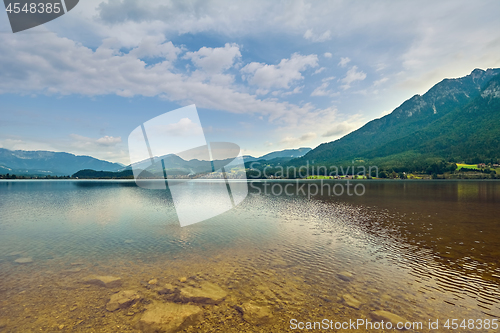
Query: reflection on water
[[421, 250]]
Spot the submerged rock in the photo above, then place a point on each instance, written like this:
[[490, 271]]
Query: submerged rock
[[167, 289], [122, 300], [25, 260], [153, 281], [169, 317], [104, 281], [207, 293], [3, 322], [351, 301], [279, 263], [266, 292], [387, 316], [67, 283], [345, 276], [255, 314]]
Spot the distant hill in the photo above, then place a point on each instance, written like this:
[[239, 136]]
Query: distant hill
[[46, 163], [457, 119], [22, 162], [185, 167], [470, 133], [92, 174], [293, 153], [287, 153], [174, 165], [26, 172]]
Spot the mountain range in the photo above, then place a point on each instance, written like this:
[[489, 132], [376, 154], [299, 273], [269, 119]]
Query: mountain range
[[287, 153], [43, 163], [456, 120]]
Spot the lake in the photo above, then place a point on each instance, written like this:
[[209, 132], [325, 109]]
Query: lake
[[420, 250]]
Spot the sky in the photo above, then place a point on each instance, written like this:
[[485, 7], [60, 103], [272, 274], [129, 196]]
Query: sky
[[266, 75]]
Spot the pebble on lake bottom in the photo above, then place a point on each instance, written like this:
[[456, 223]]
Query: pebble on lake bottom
[[26, 260]]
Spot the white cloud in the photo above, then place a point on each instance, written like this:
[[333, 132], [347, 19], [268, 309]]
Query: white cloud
[[434, 34], [339, 129], [107, 148], [317, 38], [290, 141], [18, 144], [215, 60], [319, 70], [185, 127], [379, 82], [385, 113], [282, 75], [108, 140], [344, 61], [262, 91], [315, 121], [352, 75], [308, 34], [296, 90], [321, 90], [85, 142], [59, 66], [155, 47], [450, 45], [380, 67], [327, 55]]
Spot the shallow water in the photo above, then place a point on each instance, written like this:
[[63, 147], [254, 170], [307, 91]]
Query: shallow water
[[424, 250]]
